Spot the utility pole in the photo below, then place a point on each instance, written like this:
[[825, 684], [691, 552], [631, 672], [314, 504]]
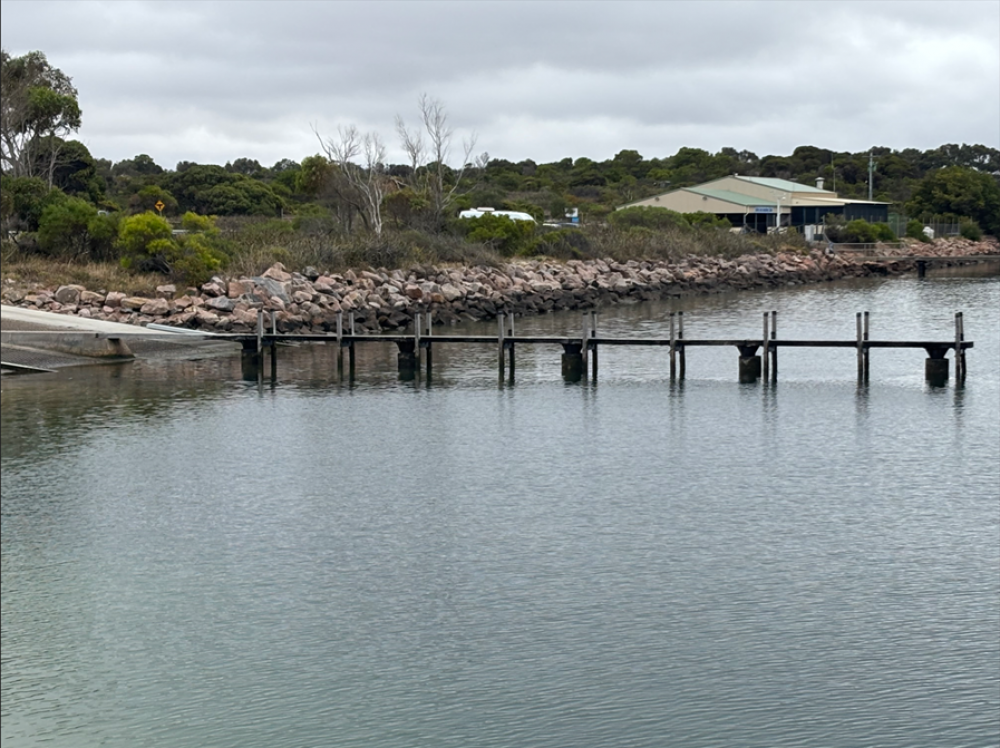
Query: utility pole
[[871, 171]]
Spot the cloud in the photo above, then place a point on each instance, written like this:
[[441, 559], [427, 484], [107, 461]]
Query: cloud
[[212, 81]]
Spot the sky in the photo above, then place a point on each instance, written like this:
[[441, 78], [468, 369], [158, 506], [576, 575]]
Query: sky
[[215, 80]]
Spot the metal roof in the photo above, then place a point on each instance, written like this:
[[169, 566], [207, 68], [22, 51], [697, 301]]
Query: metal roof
[[780, 184], [729, 196]]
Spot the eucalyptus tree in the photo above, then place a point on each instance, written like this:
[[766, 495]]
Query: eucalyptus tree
[[368, 179], [38, 109], [430, 173]]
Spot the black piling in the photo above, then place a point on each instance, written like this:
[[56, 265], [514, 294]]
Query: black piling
[[572, 362]]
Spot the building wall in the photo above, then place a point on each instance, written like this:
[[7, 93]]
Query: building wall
[[688, 202]]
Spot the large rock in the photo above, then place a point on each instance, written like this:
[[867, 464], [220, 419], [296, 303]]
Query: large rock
[[278, 273], [221, 304], [274, 288], [155, 308], [69, 294], [133, 303]]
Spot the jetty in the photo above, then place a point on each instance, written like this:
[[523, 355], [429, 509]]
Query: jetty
[[757, 357]]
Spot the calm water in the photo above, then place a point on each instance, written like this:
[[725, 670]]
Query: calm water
[[194, 560]]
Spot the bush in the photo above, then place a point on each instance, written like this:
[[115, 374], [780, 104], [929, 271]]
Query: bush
[[646, 217], [564, 244], [503, 234], [970, 230], [858, 231], [147, 244], [915, 230], [63, 228], [708, 220]]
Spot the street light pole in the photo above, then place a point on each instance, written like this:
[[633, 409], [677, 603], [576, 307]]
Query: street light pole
[[777, 203]]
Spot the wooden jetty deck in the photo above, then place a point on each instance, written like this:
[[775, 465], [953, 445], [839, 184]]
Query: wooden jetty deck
[[758, 357]]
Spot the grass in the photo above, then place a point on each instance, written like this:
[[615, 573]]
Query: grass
[[26, 273]]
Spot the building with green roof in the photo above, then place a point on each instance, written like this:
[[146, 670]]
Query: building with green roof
[[762, 203]]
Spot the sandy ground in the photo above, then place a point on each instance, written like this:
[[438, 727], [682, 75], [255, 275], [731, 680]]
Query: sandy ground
[[84, 342]]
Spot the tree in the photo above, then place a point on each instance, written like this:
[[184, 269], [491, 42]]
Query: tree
[[23, 200], [429, 161], [960, 191], [211, 190], [147, 198], [63, 229], [140, 166], [76, 173], [247, 166], [38, 109], [368, 179]]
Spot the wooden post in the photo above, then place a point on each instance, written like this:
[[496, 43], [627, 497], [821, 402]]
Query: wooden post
[[350, 348], [593, 335], [340, 344], [774, 348], [500, 346], [417, 323], [274, 323], [766, 341], [427, 345], [860, 347], [673, 347], [680, 337], [260, 331], [868, 351], [959, 351], [510, 319], [585, 345]]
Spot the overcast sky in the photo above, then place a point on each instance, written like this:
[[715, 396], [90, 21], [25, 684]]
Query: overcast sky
[[214, 80]]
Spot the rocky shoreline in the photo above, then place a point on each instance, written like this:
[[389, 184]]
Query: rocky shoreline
[[309, 301]]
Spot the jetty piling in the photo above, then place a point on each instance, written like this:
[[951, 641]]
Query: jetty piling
[[673, 346], [774, 348], [593, 344]]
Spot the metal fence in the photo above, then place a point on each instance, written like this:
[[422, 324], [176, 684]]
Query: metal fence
[[938, 228]]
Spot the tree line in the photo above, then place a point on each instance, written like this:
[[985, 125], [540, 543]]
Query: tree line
[[58, 198]]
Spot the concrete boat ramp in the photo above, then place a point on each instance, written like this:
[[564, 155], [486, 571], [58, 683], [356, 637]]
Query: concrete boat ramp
[[33, 341]]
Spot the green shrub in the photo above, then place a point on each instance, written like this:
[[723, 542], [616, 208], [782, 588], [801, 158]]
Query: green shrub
[[970, 230], [709, 220], [646, 217], [63, 228], [858, 231], [915, 230], [564, 244], [147, 244], [503, 234]]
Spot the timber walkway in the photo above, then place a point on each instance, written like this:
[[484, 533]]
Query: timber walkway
[[757, 357]]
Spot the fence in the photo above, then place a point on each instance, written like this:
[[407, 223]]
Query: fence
[[936, 224]]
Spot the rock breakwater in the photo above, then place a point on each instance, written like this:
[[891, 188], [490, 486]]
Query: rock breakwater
[[309, 301]]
